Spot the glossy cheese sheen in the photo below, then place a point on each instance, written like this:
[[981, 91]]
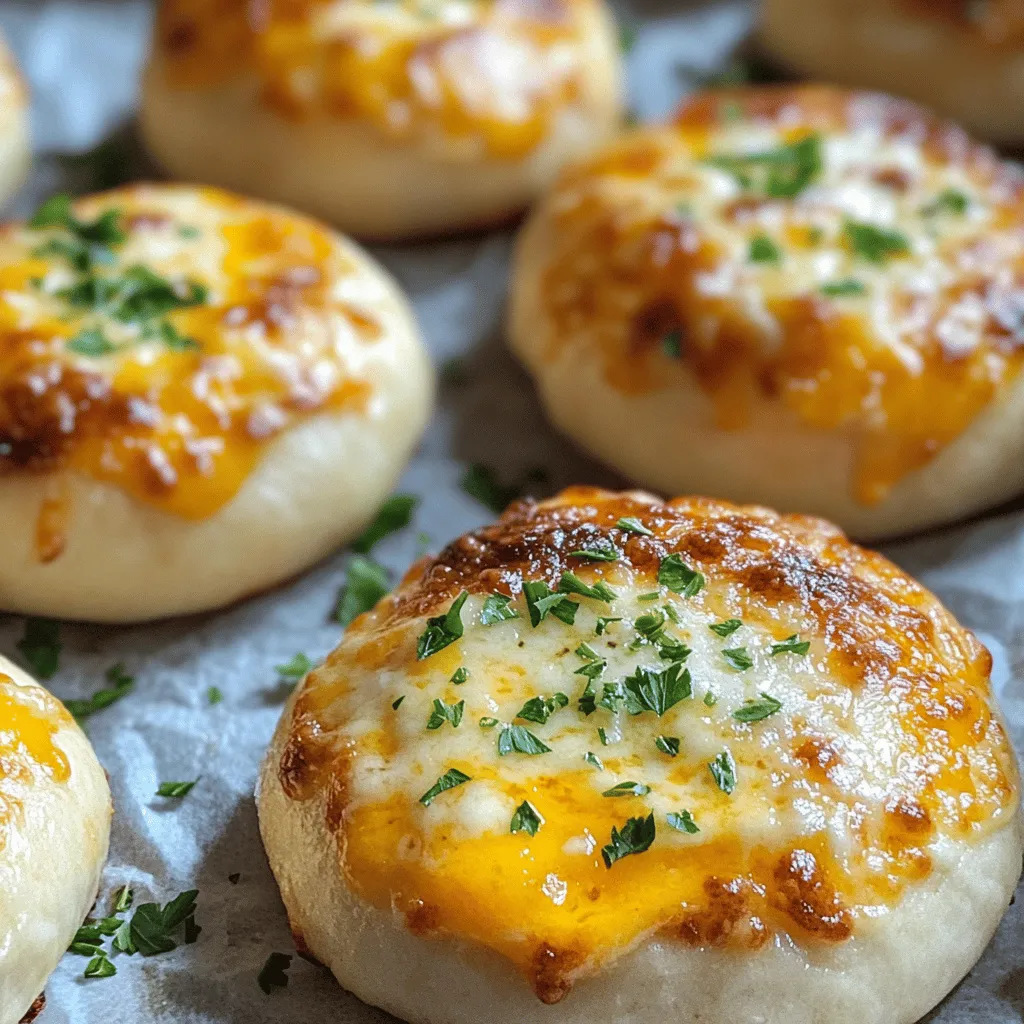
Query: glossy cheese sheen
[[494, 71], [885, 757], [278, 334], [662, 255]]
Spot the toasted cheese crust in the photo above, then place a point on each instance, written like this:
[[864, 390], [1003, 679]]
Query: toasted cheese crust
[[748, 733], [494, 72], [54, 826], [839, 254]]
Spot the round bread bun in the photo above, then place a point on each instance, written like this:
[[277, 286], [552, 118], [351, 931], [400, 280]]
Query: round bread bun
[[965, 59], [393, 120], [614, 759], [55, 814], [800, 296], [15, 144], [200, 396]]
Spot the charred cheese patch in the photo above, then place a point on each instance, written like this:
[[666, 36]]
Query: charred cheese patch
[[622, 719], [158, 338], [841, 253], [29, 721], [494, 72]]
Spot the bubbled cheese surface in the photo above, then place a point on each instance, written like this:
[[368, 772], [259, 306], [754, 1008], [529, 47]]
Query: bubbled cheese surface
[[492, 71], [158, 338], [831, 749], [844, 254]]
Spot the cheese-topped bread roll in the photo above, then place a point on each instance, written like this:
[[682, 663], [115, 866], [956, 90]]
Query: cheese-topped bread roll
[[804, 296], [964, 57], [199, 396], [15, 147], [54, 827], [392, 119], [613, 759]]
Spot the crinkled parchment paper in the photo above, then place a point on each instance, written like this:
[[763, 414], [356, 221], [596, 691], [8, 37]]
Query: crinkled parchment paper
[[83, 59]]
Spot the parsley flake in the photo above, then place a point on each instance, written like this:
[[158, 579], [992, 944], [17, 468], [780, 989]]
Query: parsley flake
[[295, 668], [668, 745], [570, 583], [949, 200], [366, 583], [397, 702], [636, 836], [496, 609], [672, 343], [90, 342], [627, 789], [175, 790], [442, 630], [395, 514], [151, 928], [459, 676], [451, 778], [781, 173], [593, 759], [214, 696], [541, 600], [845, 287], [40, 646], [488, 723], [875, 244], [723, 771], [756, 710], [791, 645], [738, 658], [603, 737], [99, 967], [121, 685], [601, 550], [603, 622], [274, 973], [526, 819], [519, 740], [443, 712], [764, 250], [682, 821], [657, 690], [633, 525], [675, 574], [540, 709], [726, 627]]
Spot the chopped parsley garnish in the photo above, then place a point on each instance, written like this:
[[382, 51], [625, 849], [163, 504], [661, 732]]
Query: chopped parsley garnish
[[672, 343], [875, 244], [395, 514], [647, 598], [496, 609], [781, 173], [603, 737], [633, 525], [723, 771], [121, 685], [593, 759], [949, 200], [459, 676], [570, 583], [125, 896], [636, 836], [480, 482], [397, 702], [526, 819], [593, 669], [541, 600], [151, 928], [756, 710], [657, 690], [442, 630], [847, 286], [738, 658], [791, 645], [587, 703], [587, 653], [488, 723], [91, 342], [99, 967], [540, 709], [90, 242], [682, 821], [274, 973], [296, 668], [764, 250], [214, 696], [443, 712], [40, 646], [627, 789], [600, 550], [668, 745], [175, 790], [725, 628], [451, 778], [366, 583], [675, 574], [670, 611], [710, 700], [517, 739], [650, 629]]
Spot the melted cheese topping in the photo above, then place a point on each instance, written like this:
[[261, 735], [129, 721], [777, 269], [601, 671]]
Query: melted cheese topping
[[491, 72], [881, 758], [29, 721], [874, 287], [168, 364]]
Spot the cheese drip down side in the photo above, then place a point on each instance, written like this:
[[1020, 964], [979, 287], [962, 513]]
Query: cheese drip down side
[[842, 254], [494, 73], [162, 337], [779, 738]]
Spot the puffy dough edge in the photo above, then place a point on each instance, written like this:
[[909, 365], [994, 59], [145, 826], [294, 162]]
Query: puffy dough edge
[[355, 178], [50, 871], [315, 486], [875, 44], [868, 981], [15, 140], [777, 460]]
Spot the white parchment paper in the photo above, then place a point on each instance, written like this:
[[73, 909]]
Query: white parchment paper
[[82, 58]]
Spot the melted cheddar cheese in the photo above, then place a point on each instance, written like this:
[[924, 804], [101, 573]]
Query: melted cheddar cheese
[[493, 73], [836, 252], [29, 721], [825, 724], [157, 338]]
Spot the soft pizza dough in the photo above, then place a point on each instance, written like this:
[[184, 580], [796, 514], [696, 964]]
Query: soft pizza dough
[[613, 759], [964, 57], [200, 395], [15, 145], [801, 296], [55, 814], [388, 119]]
